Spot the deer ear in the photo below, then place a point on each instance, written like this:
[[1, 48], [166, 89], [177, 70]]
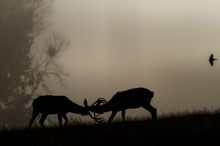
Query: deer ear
[[85, 102]]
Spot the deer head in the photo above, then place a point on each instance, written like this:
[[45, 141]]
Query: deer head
[[95, 115]]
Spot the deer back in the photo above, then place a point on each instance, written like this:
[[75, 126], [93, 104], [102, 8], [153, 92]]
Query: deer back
[[55, 104], [132, 98]]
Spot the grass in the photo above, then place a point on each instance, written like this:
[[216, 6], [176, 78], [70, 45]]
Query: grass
[[188, 128]]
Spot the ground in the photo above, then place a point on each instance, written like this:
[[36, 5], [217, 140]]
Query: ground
[[197, 128]]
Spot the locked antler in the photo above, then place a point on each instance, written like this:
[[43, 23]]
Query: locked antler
[[97, 103]]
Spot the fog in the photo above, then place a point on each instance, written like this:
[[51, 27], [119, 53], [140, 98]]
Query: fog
[[161, 45]]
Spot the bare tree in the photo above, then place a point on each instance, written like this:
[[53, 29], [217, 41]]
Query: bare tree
[[20, 22], [44, 64]]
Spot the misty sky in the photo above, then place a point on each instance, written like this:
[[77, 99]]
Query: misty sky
[[161, 45]]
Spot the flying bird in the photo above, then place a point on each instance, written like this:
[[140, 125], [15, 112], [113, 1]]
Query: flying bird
[[212, 59]]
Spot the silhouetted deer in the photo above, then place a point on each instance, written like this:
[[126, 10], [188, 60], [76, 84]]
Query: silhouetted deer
[[133, 98], [59, 105]]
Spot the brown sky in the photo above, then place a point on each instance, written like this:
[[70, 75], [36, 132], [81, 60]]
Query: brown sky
[[161, 45]]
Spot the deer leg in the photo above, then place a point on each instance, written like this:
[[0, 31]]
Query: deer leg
[[152, 110], [42, 119], [34, 115], [66, 119], [112, 116], [60, 119], [123, 114]]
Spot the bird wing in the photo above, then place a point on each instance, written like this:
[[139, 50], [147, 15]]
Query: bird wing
[[211, 59], [211, 62]]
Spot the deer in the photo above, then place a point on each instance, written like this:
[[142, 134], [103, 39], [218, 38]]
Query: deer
[[60, 105], [128, 99]]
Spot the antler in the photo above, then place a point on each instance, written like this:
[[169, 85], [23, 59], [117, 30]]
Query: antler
[[95, 116], [99, 101]]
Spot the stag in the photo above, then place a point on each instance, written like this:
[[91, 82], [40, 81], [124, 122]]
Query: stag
[[132, 98], [59, 105]]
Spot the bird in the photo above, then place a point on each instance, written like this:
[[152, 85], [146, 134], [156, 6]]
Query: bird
[[212, 59]]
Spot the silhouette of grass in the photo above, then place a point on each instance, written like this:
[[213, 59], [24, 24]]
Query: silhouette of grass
[[187, 128]]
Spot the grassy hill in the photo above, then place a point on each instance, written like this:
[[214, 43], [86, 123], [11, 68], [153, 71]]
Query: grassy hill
[[198, 128]]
